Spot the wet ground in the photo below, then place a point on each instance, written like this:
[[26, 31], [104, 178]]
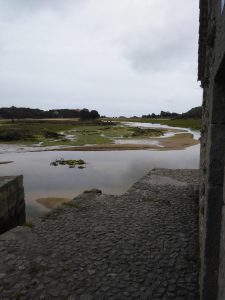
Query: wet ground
[[141, 245], [111, 171]]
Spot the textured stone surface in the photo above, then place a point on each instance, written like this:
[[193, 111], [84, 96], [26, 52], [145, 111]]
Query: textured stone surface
[[222, 260], [212, 149], [141, 245]]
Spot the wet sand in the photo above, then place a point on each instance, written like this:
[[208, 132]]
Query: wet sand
[[177, 142], [52, 202]]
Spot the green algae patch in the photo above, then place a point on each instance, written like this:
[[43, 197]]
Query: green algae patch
[[146, 132], [15, 135], [28, 224], [71, 163]]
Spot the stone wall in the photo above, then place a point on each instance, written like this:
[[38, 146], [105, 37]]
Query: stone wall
[[12, 204], [212, 214], [221, 285]]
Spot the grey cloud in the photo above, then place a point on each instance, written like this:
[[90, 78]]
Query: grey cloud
[[160, 58], [166, 42], [163, 53], [30, 5], [12, 9], [102, 54]]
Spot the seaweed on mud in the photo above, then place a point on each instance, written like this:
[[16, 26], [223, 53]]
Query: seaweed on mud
[[71, 163]]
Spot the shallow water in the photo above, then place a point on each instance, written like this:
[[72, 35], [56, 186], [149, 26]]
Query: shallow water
[[195, 133], [111, 171]]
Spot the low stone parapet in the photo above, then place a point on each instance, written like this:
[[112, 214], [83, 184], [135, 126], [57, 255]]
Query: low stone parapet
[[12, 203]]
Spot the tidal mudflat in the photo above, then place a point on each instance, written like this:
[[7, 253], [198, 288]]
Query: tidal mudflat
[[111, 171], [93, 135], [106, 166]]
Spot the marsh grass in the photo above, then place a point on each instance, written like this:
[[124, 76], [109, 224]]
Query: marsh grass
[[147, 132], [28, 224], [56, 132]]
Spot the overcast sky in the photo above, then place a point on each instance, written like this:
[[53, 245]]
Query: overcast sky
[[121, 57]]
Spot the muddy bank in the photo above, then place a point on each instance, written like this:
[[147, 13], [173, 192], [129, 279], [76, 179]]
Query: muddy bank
[[52, 202], [178, 142]]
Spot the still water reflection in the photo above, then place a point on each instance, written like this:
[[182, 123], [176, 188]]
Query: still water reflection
[[111, 171]]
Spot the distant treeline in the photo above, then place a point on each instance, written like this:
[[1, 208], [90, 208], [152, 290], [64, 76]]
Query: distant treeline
[[194, 113], [35, 113]]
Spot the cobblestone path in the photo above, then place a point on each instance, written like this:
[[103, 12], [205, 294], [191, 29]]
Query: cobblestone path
[[141, 245]]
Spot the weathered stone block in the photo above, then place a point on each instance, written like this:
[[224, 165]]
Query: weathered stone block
[[216, 154], [218, 106], [211, 242], [12, 204], [212, 222], [222, 260]]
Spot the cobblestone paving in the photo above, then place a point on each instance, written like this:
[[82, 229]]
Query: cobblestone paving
[[142, 245]]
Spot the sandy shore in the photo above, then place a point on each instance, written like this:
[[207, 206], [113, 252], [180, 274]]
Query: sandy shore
[[178, 142], [52, 202]]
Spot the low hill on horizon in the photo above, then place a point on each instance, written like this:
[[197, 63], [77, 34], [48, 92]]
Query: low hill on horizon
[[193, 113], [35, 113]]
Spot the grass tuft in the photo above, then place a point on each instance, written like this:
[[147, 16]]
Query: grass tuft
[[28, 224]]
